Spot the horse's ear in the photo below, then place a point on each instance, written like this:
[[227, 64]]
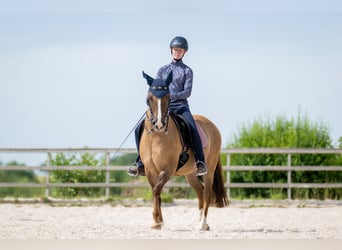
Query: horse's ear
[[148, 78], [169, 78]]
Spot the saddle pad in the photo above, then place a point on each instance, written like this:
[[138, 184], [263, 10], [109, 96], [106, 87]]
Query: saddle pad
[[202, 135]]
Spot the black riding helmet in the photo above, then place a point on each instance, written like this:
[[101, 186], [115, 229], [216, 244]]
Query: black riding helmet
[[179, 42]]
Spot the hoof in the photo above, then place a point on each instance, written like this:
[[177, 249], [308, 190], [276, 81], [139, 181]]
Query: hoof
[[205, 228], [156, 226]]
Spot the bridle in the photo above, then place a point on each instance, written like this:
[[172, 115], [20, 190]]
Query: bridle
[[150, 115]]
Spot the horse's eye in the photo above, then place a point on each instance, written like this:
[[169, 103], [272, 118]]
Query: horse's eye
[[148, 101]]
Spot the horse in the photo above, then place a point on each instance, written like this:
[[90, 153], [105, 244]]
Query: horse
[[160, 149]]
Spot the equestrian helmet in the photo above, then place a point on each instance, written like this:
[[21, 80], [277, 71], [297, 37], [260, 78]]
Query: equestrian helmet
[[179, 42]]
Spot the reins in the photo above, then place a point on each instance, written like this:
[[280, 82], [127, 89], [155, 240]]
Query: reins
[[130, 132], [148, 131]]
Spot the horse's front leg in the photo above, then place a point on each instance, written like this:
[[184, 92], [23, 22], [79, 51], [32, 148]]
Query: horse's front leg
[[157, 189], [157, 215]]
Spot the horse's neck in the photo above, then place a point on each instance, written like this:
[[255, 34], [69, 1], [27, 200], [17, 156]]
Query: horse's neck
[[165, 137], [160, 146]]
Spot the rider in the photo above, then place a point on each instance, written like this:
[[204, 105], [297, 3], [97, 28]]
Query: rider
[[180, 90]]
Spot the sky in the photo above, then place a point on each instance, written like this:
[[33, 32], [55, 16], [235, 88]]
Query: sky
[[70, 71]]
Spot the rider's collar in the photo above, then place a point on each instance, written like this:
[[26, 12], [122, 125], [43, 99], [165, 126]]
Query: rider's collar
[[174, 61]]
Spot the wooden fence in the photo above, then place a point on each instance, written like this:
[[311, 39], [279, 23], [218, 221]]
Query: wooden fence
[[228, 168]]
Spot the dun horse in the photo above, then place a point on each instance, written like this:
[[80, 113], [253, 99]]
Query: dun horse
[[160, 148]]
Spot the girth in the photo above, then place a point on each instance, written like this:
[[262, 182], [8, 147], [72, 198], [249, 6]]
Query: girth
[[186, 137]]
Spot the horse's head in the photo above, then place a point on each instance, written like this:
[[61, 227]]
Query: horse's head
[[158, 99]]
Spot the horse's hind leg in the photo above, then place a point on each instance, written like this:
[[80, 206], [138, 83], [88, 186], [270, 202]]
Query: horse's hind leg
[[207, 196], [203, 195], [157, 189]]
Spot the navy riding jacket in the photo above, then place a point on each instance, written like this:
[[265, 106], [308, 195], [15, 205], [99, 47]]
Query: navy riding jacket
[[181, 86]]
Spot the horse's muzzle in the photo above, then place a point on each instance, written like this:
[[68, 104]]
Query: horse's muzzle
[[159, 126]]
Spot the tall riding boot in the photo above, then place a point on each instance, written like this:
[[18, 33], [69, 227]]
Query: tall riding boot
[[199, 155], [138, 166]]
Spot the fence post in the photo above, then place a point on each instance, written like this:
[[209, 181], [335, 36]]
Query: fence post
[[107, 190], [228, 174], [48, 163], [289, 173]]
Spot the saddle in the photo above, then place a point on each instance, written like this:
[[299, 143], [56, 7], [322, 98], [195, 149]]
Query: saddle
[[186, 137]]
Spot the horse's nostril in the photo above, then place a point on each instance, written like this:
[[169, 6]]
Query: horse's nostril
[[159, 125]]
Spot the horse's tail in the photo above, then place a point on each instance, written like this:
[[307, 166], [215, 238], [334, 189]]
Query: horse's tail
[[219, 190]]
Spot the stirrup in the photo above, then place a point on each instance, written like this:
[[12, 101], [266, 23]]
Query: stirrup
[[133, 171], [201, 168], [136, 169]]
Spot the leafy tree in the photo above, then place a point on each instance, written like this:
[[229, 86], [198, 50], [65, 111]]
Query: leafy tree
[[77, 176], [284, 133], [20, 176], [121, 176]]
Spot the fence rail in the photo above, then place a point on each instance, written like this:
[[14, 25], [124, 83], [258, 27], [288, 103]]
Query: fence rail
[[228, 168]]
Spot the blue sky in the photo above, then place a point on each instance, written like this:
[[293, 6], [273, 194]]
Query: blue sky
[[70, 71]]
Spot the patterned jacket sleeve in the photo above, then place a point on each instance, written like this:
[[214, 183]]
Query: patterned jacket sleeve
[[186, 92]]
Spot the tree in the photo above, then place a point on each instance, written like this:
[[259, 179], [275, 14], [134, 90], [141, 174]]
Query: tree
[[21, 176], [121, 176], [297, 132], [77, 176]]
